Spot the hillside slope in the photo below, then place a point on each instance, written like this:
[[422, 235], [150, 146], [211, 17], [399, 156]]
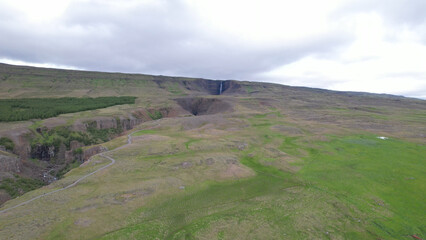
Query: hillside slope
[[214, 160]]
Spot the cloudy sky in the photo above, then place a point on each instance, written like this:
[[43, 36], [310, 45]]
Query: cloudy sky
[[357, 45]]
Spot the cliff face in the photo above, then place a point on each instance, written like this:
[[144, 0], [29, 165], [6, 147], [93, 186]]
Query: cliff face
[[88, 153], [20, 139], [213, 87], [9, 163], [43, 152], [104, 128], [121, 123]]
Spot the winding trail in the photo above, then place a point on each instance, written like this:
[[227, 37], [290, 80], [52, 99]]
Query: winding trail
[[129, 141]]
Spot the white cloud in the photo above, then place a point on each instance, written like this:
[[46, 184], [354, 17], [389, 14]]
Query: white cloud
[[373, 62], [40, 11], [267, 21], [43, 65]]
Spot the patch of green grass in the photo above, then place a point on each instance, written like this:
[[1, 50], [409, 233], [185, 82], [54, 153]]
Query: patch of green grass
[[36, 125], [143, 132], [190, 141], [187, 213], [249, 89], [103, 135], [374, 186], [175, 89], [385, 179], [275, 113], [289, 146], [67, 168]]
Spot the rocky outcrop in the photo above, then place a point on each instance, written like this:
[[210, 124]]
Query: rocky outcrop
[[88, 153], [71, 154], [9, 163], [43, 152], [19, 136], [232, 87], [107, 123]]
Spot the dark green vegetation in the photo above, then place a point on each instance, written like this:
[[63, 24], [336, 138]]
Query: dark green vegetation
[[60, 174], [7, 143], [155, 115], [63, 136], [56, 136], [40, 108], [18, 185]]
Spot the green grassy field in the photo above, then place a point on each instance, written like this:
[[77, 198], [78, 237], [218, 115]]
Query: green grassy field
[[199, 184], [278, 163]]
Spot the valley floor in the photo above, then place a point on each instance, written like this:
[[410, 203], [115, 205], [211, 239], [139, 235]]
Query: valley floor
[[230, 176]]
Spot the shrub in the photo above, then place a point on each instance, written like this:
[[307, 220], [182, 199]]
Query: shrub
[[7, 143], [32, 108]]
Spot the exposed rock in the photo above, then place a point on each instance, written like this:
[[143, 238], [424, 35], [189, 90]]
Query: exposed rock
[[43, 152], [209, 86], [203, 106], [61, 153], [232, 87], [10, 164], [88, 153], [129, 123], [109, 122], [75, 144], [19, 137]]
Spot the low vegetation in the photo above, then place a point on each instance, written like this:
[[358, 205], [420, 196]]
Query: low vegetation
[[18, 185], [63, 135], [40, 108], [7, 143]]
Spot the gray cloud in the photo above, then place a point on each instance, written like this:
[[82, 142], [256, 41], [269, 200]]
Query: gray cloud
[[168, 38], [149, 39]]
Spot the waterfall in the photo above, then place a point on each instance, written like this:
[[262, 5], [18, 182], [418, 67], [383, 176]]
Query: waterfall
[[220, 89]]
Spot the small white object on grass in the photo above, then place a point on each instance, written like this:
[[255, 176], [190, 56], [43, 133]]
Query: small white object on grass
[[383, 138]]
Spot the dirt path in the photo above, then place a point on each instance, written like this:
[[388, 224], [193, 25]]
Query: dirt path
[[129, 141]]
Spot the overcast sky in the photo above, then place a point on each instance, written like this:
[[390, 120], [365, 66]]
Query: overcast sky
[[356, 45]]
